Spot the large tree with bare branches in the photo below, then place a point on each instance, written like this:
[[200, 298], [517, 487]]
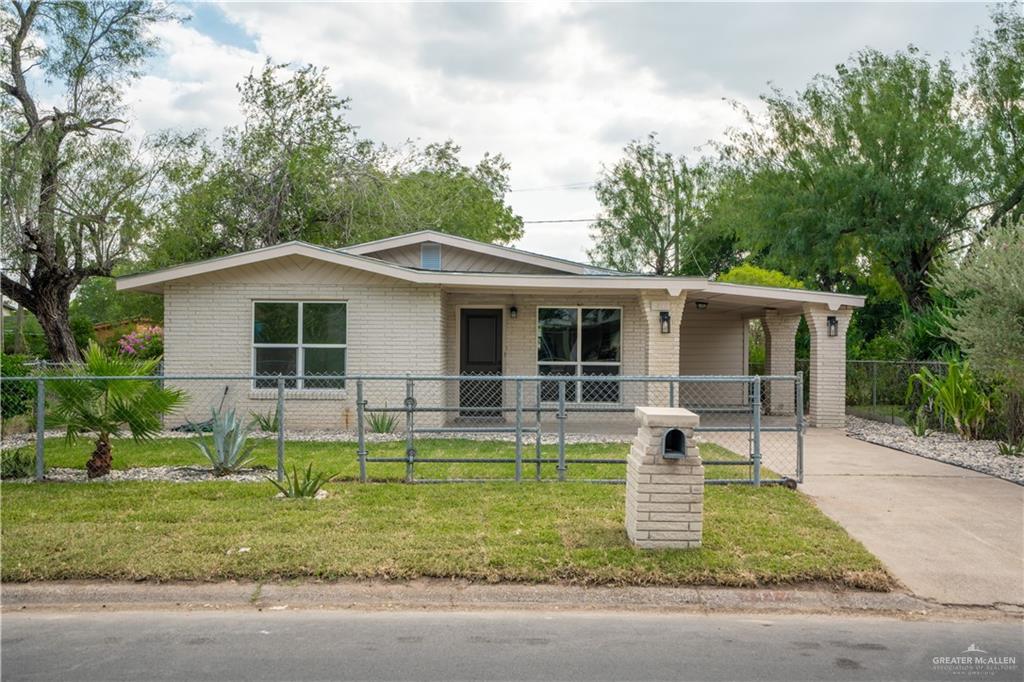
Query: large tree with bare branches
[[74, 190]]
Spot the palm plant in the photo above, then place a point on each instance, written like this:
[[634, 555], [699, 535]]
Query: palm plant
[[227, 449], [106, 407], [956, 394]]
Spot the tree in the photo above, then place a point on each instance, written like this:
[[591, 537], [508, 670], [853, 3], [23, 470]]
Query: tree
[[872, 166], [105, 407], [73, 193], [997, 97], [295, 169], [651, 207], [987, 293], [747, 273]]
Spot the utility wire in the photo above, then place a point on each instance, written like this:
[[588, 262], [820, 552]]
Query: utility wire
[[563, 220]]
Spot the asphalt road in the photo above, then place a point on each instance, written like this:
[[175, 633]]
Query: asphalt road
[[345, 645]]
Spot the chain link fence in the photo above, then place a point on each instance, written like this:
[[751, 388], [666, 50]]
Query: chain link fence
[[552, 427]]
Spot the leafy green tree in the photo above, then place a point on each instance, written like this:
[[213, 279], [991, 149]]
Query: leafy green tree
[[870, 166], [295, 169], [74, 193], [99, 301], [747, 273], [987, 291], [652, 204], [108, 407], [996, 87]]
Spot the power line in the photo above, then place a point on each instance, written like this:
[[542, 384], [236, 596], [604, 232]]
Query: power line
[[586, 184]]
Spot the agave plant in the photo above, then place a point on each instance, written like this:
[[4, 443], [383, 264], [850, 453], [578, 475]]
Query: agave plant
[[957, 395], [306, 486], [108, 407], [227, 449]]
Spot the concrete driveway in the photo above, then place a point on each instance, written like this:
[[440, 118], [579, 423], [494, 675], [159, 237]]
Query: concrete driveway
[[949, 534]]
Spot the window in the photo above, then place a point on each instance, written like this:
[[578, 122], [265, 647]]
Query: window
[[580, 342], [291, 338], [430, 256]]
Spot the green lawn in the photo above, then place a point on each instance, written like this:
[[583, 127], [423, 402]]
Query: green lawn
[[562, 532], [493, 531], [340, 458]]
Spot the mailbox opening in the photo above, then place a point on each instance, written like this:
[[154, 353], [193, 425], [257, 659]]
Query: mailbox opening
[[674, 444]]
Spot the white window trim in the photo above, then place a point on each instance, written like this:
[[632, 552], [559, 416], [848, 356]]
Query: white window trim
[[300, 347], [578, 363]]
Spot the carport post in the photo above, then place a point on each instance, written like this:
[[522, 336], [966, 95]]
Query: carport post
[[280, 428], [755, 405], [40, 426]]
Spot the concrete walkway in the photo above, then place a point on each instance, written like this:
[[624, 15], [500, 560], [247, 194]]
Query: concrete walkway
[[949, 534]]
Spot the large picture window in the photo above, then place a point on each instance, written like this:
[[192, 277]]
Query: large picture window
[[580, 342], [299, 338]]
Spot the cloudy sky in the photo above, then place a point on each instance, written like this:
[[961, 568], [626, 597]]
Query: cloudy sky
[[558, 89]]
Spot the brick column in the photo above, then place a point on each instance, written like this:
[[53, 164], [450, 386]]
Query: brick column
[[828, 365], [662, 349], [780, 358], [664, 495]]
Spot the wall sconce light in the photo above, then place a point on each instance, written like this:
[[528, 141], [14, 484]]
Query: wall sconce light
[[702, 305], [666, 322], [833, 325], [513, 312]]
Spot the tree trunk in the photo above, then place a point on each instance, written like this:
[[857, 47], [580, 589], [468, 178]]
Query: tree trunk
[[99, 464], [52, 313], [20, 346]]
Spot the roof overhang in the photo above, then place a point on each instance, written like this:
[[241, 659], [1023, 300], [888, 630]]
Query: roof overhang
[[153, 282]]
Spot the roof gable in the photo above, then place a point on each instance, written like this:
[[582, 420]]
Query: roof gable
[[396, 249]]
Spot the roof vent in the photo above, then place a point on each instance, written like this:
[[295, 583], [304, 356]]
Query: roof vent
[[430, 256]]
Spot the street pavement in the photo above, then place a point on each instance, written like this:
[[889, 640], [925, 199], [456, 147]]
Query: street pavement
[[497, 645]]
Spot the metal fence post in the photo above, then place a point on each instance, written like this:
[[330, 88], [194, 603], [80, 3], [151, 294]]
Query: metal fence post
[[755, 400], [561, 416], [800, 428], [40, 426], [280, 428], [537, 442], [671, 394], [874, 388], [361, 430], [410, 450], [519, 430]]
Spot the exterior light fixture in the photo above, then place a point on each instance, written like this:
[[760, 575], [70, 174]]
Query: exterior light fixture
[[666, 322], [513, 312], [702, 305], [833, 325]]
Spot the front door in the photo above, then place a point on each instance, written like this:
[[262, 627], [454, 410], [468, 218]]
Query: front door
[[480, 353]]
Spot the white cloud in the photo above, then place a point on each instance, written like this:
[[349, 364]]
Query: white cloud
[[558, 89]]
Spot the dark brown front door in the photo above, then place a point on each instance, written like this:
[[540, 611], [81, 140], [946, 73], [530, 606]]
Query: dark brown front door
[[480, 353]]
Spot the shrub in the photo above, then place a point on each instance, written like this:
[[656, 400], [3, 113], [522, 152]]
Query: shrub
[[956, 395], [16, 397], [142, 343], [382, 422], [228, 449], [17, 463], [265, 421], [106, 407], [308, 485]]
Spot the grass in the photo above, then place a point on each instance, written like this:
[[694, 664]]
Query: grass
[[493, 532], [536, 532], [340, 458]]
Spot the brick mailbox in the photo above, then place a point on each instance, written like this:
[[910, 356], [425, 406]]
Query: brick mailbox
[[665, 480]]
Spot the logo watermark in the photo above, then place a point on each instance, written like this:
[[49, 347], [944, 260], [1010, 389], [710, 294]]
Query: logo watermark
[[974, 662]]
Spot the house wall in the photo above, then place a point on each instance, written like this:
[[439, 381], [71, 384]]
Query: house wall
[[393, 328], [712, 344], [460, 260]]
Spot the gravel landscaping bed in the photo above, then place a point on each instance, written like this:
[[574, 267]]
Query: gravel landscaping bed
[[165, 473], [550, 438], [978, 455]]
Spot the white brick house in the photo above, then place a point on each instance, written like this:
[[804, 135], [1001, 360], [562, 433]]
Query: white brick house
[[431, 303]]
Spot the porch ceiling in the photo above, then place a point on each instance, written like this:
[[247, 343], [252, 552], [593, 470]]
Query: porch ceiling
[[743, 306]]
